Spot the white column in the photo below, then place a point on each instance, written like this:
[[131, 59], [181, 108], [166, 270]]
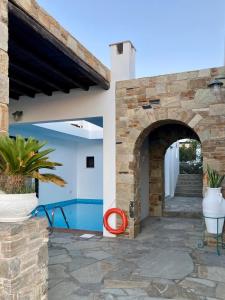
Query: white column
[[122, 68]]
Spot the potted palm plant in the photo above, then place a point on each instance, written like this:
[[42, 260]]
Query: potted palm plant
[[20, 163], [213, 202]]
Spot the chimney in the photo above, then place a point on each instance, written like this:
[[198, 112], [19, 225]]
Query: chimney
[[122, 61]]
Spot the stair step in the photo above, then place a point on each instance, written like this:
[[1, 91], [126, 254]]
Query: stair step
[[186, 193], [189, 181], [189, 185], [180, 214], [186, 187], [197, 195], [188, 175]]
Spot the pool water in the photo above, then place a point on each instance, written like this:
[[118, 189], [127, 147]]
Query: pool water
[[84, 214]]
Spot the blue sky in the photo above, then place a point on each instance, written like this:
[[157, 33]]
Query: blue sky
[[170, 35]]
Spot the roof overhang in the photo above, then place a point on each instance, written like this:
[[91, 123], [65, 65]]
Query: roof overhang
[[41, 62]]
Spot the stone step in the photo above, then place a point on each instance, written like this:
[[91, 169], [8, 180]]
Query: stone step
[[189, 179], [189, 185], [188, 194], [190, 175], [182, 214], [189, 188]]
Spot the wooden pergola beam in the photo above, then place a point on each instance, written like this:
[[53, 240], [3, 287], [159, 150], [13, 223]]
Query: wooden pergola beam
[[21, 91], [25, 85], [41, 61], [14, 95], [24, 69], [81, 65]]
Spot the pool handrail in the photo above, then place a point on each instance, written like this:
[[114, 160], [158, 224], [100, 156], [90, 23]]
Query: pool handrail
[[63, 214], [46, 212]]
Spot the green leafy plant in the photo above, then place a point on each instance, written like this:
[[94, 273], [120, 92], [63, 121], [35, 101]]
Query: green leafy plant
[[21, 160], [214, 179], [190, 153]]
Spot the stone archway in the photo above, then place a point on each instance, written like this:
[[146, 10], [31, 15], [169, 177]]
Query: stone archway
[[142, 105], [160, 136]]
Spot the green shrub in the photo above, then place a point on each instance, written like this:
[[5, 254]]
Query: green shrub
[[21, 161]]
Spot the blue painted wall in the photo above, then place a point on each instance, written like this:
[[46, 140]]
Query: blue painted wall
[[71, 151]]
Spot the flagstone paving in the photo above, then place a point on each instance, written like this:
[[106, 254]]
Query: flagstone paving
[[163, 262]]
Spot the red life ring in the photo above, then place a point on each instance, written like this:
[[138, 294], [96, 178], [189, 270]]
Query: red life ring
[[123, 216]]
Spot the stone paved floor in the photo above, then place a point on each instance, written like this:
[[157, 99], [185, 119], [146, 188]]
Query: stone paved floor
[[162, 263], [190, 207]]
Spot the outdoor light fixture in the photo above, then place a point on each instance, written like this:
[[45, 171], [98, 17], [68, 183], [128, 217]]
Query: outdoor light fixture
[[17, 115], [216, 86]]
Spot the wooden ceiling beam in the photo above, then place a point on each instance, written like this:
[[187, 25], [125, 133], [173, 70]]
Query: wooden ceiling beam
[[24, 69], [21, 91], [42, 62], [81, 65], [14, 95], [25, 85]]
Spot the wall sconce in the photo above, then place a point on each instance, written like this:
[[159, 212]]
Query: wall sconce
[[216, 87], [131, 209], [17, 115]]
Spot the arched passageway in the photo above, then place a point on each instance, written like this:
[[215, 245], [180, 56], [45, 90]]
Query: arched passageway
[[149, 164]]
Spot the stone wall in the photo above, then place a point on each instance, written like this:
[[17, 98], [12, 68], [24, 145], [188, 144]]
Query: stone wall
[[142, 105], [4, 81], [23, 260]]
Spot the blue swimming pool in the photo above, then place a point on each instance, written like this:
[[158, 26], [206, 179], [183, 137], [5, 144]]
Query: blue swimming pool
[[84, 214]]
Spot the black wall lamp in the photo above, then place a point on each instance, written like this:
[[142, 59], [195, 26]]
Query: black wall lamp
[[17, 115], [216, 86]]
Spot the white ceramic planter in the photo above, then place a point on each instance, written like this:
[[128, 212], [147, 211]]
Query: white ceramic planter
[[214, 207], [17, 207]]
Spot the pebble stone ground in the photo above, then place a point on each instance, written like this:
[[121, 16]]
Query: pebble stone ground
[[163, 262]]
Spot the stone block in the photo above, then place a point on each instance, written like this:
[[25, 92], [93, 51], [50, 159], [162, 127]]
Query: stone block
[[25, 4], [197, 118], [150, 92], [204, 73], [187, 75], [23, 273], [4, 66], [220, 291], [4, 36], [43, 256], [177, 86], [217, 110], [4, 89], [9, 268], [170, 101], [4, 11], [3, 119], [198, 83]]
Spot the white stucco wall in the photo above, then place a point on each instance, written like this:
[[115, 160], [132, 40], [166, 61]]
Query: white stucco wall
[[80, 104], [123, 65], [89, 181], [82, 182], [171, 167]]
